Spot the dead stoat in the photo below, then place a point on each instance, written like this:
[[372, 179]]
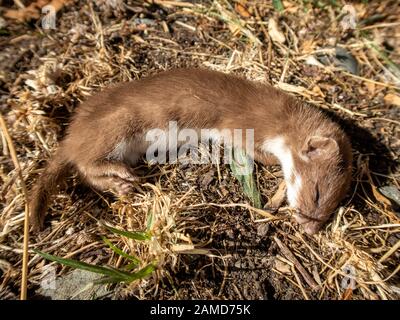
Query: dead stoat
[[107, 136]]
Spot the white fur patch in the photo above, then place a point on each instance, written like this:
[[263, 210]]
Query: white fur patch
[[119, 151], [128, 150], [293, 190], [279, 149]]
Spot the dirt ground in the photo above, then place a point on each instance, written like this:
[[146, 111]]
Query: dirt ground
[[208, 243]]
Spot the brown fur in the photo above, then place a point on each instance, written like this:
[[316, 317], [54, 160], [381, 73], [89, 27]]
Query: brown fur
[[195, 99]]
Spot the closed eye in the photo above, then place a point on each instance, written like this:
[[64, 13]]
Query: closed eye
[[317, 195]]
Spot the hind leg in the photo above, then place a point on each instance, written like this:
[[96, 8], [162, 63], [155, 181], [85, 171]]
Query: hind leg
[[110, 176]]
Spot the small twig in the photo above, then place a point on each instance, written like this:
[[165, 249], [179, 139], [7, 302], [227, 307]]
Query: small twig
[[19, 4], [185, 25], [237, 291], [285, 68], [388, 120], [25, 255], [291, 257], [241, 205], [303, 291], [224, 278], [387, 85], [167, 3], [381, 25], [350, 112], [390, 252], [381, 226]]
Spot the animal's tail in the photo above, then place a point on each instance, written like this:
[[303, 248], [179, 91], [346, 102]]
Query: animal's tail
[[40, 194]]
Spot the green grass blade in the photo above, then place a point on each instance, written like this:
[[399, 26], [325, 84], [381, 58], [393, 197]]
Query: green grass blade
[[139, 235], [240, 164], [134, 276], [108, 280], [85, 266], [120, 252], [278, 5], [142, 272], [392, 66], [150, 221], [130, 266]]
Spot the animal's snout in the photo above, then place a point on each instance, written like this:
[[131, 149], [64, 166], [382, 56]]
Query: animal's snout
[[310, 225], [300, 218]]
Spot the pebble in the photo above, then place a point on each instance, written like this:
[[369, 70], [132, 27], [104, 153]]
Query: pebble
[[262, 229]]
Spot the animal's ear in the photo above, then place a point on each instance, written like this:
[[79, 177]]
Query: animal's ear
[[318, 147]]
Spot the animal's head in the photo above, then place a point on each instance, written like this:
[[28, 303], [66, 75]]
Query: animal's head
[[320, 181]]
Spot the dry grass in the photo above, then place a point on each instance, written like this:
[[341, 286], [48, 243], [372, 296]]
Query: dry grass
[[202, 225]]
